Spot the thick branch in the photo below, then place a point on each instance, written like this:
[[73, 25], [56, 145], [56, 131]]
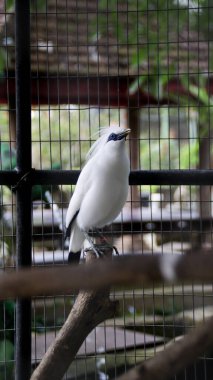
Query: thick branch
[[132, 270], [90, 309], [175, 357]]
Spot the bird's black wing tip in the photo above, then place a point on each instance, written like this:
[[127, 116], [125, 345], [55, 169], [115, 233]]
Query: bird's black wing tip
[[68, 229], [67, 233]]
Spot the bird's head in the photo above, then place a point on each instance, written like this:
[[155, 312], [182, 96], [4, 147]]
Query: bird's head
[[110, 136], [118, 134]]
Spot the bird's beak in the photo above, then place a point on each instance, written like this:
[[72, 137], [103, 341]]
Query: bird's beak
[[124, 134]]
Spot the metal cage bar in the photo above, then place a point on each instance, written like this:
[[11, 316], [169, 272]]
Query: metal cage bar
[[137, 177], [24, 178], [23, 189]]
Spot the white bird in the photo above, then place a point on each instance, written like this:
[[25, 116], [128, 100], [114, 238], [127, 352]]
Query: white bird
[[101, 190]]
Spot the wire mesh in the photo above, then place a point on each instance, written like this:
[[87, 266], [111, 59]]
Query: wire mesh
[[143, 65]]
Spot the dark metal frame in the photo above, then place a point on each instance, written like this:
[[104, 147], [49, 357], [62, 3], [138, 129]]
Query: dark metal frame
[[23, 189], [137, 177], [25, 177]]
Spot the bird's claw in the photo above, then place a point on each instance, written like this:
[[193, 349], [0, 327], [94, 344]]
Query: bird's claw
[[100, 250], [96, 250]]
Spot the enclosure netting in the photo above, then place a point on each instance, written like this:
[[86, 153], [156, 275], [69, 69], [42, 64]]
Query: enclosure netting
[[145, 65]]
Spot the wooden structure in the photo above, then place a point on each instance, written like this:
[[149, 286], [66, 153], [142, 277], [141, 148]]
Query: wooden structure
[[76, 60]]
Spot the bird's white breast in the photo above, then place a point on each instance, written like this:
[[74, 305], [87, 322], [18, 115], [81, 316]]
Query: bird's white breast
[[107, 187]]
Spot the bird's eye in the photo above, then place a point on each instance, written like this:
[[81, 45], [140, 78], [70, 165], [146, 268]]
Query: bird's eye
[[112, 136]]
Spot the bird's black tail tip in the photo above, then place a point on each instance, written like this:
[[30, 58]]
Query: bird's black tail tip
[[74, 257]]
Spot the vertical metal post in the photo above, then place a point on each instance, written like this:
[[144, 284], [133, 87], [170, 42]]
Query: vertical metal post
[[133, 122], [23, 199]]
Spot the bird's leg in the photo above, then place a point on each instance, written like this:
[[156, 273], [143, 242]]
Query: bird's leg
[[88, 238], [105, 241]]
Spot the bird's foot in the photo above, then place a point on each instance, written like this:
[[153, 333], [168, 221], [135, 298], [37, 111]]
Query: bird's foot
[[106, 247], [101, 250], [96, 249], [105, 244]]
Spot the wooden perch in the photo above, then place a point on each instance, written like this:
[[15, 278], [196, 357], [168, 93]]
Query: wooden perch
[[175, 357], [128, 270], [90, 309]]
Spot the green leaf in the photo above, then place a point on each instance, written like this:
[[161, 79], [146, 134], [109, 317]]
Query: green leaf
[[9, 5], [136, 84], [6, 350], [201, 94]]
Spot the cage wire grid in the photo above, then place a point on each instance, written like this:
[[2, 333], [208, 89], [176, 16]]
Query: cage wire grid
[[146, 66]]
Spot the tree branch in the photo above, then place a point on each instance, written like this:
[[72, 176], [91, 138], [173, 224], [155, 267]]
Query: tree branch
[[93, 306], [90, 309], [175, 357], [128, 270]]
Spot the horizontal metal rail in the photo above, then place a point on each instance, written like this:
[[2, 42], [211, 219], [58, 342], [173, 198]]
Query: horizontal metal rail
[[137, 177]]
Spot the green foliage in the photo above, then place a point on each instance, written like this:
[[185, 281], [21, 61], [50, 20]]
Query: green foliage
[[4, 121], [6, 360], [205, 110], [7, 320], [62, 136], [9, 5], [203, 21], [3, 60], [189, 155], [200, 100], [7, 328], [35, 4], [150, 29], [7, 156], [168, 154], [147, 27], [168, 139]]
